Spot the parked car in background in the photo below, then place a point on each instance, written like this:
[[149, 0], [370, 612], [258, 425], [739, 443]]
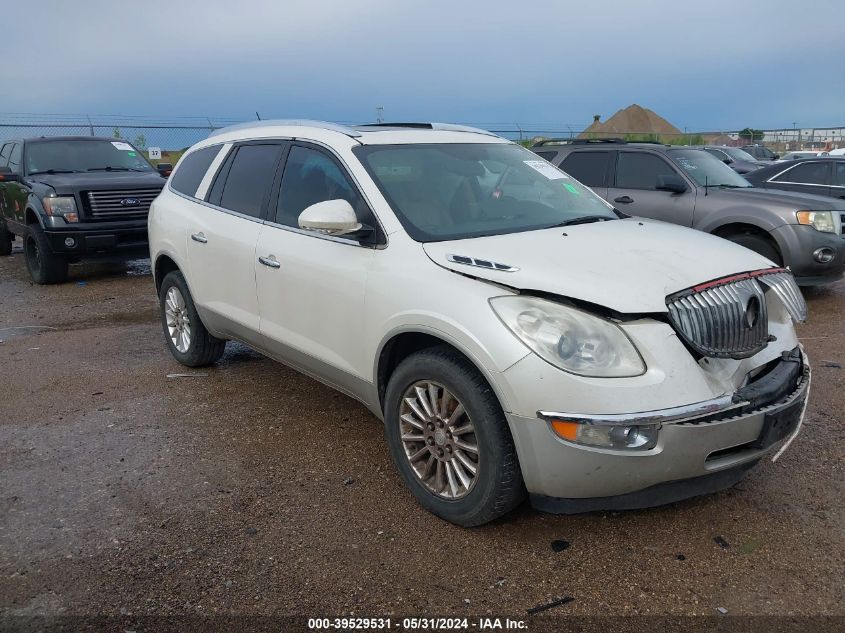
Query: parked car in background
[[839, 151], [796, 155], [739, 160], [515, 333], [73, 198], [760, 152], [820, 176], [690, 187]]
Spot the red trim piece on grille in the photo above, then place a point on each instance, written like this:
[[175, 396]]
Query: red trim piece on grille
[[732, 278]]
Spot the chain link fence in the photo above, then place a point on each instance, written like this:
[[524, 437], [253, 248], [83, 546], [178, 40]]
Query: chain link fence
[[175, 134]]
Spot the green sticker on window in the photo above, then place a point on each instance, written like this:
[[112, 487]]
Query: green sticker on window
[[132, 153], [571, 189]]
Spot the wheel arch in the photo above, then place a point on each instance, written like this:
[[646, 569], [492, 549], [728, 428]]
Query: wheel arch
[[402, 342], [735, 228], [163, 265], [31, 216]]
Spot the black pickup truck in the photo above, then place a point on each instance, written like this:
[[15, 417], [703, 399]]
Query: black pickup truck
[[75, 197]]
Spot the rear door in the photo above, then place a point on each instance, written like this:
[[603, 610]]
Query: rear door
[[807, 177], [221, 239], [837, 189], [634, 190], [589, 167]]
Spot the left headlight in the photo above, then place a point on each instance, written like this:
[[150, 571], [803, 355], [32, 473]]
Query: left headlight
[[819, 220], [570, 339], [64, 206]]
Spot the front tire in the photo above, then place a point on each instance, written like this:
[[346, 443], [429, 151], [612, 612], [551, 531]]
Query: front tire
[[45, 266], [6, 239], [759, 244], [449, 438], [189, 342]]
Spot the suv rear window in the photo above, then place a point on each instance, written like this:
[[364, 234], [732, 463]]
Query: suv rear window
[[192, 170], [249, 178], [589, 168], [815, 173]]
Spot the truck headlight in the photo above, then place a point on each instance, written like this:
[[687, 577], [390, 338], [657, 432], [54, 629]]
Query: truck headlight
[[819, 220], [63, 206], [570, 339]]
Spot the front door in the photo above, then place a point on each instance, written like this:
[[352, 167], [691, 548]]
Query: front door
[[222, 235], [311, 286], [634, 189]]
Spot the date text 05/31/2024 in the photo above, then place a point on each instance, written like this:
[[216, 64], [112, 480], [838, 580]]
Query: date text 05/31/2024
[[415, 624]]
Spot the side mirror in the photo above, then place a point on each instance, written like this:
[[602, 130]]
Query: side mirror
[[164, 169], [775, 156], [331, 217], [727, 161], [673, 183], [6, 175]]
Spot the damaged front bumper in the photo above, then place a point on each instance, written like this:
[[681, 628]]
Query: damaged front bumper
[[699, 448]]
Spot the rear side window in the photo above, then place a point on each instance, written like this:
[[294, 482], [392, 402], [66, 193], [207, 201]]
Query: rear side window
[[249, 178], [636, 170], [15, 157], [807, 174], [4, 154], [589, 168], [839, 179], [192, 170]]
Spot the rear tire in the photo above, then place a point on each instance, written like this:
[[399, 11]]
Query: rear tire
[[759, 244], [45, 266], [456, 493], [186, 336], [6, 239]]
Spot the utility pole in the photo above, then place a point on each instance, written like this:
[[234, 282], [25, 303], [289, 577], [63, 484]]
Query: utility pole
[[379, 114]]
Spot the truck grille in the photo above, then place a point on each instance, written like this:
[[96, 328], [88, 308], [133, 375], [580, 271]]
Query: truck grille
[[118, 204], [728, 318]]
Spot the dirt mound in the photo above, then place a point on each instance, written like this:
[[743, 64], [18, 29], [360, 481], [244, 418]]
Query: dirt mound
[[631, 120]]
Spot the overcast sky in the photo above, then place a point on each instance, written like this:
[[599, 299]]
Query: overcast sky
[[704, 66]]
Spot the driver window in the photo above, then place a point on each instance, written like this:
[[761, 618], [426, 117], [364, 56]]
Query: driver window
[[635, 170], [311, 177]]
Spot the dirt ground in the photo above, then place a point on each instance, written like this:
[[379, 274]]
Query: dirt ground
[[252, 490]]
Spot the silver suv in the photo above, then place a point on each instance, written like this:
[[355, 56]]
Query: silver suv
[[515, 333], [688, 186]]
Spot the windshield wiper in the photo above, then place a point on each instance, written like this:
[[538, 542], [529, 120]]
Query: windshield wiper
[[584, 219], [109, 169], [732, 186], [53, 171]]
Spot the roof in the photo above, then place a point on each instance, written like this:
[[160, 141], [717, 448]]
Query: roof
[[80, 137], [373, 134]]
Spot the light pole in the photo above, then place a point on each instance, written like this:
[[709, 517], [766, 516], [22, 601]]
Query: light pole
[[379, 114]]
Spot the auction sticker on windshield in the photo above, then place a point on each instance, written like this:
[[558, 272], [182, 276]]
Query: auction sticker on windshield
[[546, 169], [126, 147]]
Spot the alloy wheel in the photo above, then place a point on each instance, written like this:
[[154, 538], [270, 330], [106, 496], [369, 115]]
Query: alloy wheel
[[439, 439], [178, 320]]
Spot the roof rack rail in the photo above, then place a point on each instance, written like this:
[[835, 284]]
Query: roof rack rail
[[442, 127], [324, 125], [577, 141]]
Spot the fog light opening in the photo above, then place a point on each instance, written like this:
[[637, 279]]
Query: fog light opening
[[70, 242], [823, 255]]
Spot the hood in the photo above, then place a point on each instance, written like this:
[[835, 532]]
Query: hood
[[779, 198], [97, 180], [629, 266]]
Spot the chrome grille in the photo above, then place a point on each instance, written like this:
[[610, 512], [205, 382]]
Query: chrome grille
[[723, 321], [106, 205], [784, 286]]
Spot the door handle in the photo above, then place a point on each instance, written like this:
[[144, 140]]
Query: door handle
[[624, 199], [199, 237], [269, 261]]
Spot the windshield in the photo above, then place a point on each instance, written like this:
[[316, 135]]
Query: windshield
[[452, 191], [83, 155], [705, 169], [738, 154]]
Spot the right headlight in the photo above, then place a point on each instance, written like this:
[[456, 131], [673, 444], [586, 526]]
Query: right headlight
[[819, 220], [570, 339]]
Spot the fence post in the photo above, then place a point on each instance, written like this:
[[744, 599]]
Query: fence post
[[90, 125]]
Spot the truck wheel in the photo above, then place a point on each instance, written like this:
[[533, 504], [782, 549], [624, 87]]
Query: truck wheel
[[6, 239], [449, 438], [758, 244], [45, 266], [186, 336]]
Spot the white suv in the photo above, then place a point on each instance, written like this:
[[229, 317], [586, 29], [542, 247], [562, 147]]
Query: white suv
[[514, 331]]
